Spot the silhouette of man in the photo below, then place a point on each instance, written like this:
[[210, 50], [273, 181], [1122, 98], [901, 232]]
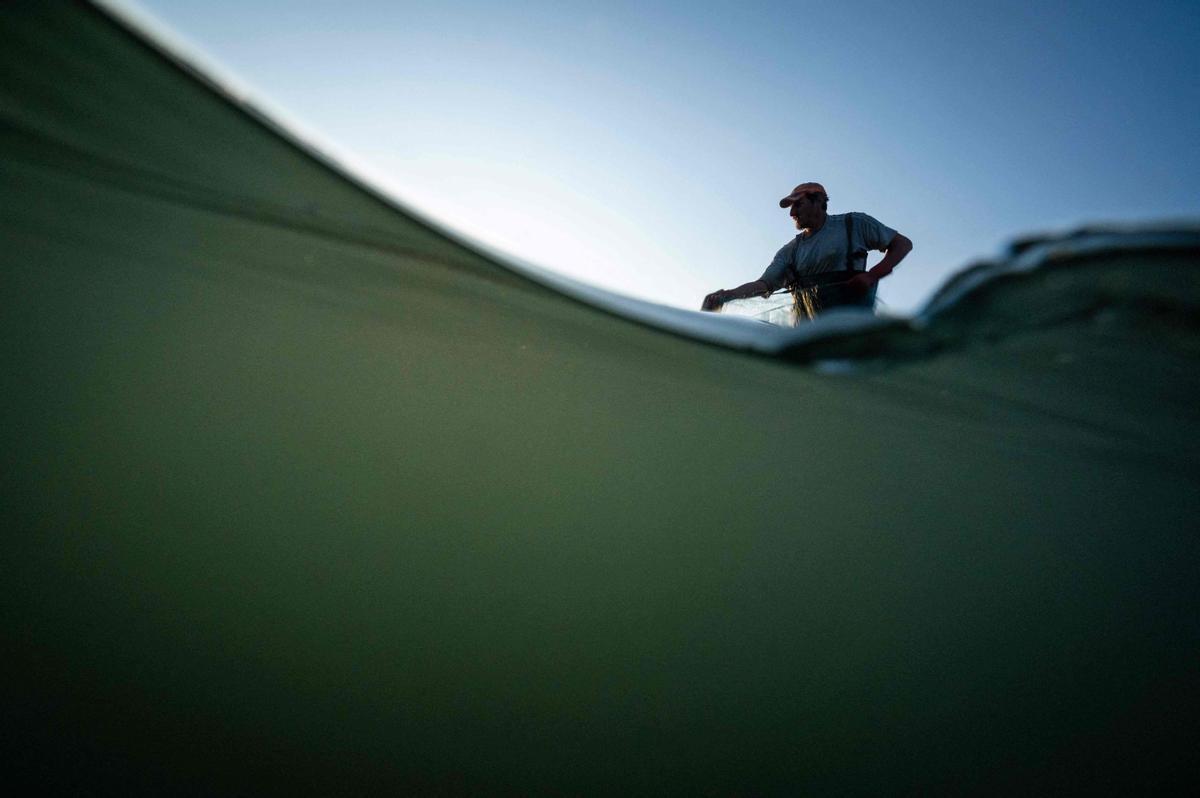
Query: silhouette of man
[[826, 263]]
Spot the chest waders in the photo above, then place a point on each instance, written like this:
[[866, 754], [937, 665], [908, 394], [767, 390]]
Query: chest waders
[[813, 293]]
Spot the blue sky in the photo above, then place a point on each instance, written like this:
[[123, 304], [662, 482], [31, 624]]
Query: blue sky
[[644, 146]]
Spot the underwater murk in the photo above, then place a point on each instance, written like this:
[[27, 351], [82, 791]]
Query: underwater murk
[[304, 494]]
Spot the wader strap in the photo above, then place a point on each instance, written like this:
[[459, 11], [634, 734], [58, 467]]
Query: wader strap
[[790, 274], [850, 241]]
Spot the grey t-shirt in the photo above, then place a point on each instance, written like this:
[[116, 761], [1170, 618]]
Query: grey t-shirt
[[826, 250]]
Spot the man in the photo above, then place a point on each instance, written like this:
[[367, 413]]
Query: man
[[827, 261]]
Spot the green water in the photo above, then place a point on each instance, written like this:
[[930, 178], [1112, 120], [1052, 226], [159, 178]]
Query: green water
[[300, 495]]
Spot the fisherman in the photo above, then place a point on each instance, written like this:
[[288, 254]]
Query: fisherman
[[825, 265]]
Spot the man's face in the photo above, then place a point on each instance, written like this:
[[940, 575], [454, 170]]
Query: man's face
[[806, 211]]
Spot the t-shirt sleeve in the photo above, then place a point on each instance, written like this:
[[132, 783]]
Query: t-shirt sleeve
[[776, 274], [873, 233]]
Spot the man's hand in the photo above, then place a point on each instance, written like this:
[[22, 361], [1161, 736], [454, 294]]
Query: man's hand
[[715, 300], [861, 284]]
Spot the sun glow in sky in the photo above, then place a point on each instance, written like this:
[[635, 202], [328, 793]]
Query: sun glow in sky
[[644, 146]]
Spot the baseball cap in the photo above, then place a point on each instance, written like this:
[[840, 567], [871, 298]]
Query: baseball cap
[[802, 189]]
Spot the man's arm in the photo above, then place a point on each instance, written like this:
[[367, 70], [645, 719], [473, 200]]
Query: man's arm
[[772, 278], [718, 298], [895, 252]]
